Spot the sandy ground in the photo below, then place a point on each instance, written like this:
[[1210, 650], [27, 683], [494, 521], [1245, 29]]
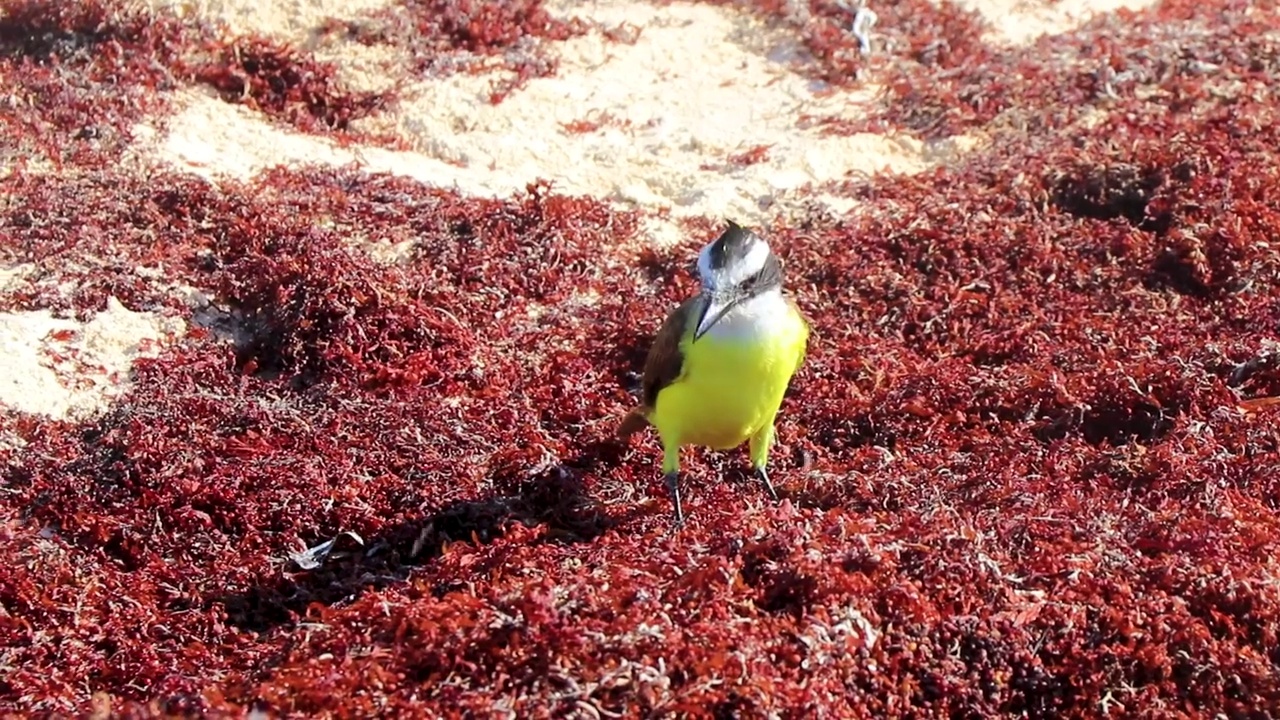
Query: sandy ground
[[700, 84]]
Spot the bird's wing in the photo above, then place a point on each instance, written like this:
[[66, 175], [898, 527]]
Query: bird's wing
[[665, 362]]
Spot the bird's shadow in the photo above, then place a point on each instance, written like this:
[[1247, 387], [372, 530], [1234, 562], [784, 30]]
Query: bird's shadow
[[553, 496]]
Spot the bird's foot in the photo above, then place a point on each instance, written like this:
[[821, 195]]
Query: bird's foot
[[764, 478], [673, 486]]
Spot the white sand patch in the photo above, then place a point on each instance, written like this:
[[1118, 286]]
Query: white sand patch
[[1018, 22], [11, 276], [293, 21], [661, 232], [215, 140], [64, 369], [698, 87], [567, 306], [363, 68]]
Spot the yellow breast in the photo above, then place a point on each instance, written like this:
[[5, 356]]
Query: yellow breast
[[733, 378]]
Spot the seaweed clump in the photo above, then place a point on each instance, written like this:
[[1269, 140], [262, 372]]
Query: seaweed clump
[[94, 69], [281, 82], [79, 75], [447, 36]]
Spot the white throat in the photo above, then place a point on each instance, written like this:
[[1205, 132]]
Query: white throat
[[753, 318]]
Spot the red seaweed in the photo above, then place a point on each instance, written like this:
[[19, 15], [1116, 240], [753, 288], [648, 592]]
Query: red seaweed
[[275, 79], [447, 36]]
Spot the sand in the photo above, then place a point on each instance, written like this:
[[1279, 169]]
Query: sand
[[293, 21], [61, 368], [1017, 22], [697, 87], [701, 84]]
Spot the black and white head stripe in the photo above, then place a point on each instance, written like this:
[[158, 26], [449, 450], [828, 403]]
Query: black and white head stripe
[[739, 260]]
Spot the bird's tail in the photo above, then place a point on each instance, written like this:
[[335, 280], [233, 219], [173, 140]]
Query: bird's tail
[[634, 422]]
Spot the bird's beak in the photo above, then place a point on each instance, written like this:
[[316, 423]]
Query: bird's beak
[[714, 308]]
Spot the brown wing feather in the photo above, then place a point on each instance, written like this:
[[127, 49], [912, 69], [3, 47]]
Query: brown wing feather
[[665, 362], [663, 365]]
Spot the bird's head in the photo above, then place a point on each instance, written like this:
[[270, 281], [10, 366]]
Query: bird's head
[[734, 267]]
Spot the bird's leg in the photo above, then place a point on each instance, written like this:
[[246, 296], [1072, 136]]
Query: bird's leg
[[673, 486], [768, 486], [761, 442], [671, 469]]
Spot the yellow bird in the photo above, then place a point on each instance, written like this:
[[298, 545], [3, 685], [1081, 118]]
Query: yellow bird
[[723, 359]]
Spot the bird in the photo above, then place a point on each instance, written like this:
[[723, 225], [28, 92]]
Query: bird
[[722, 360]]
